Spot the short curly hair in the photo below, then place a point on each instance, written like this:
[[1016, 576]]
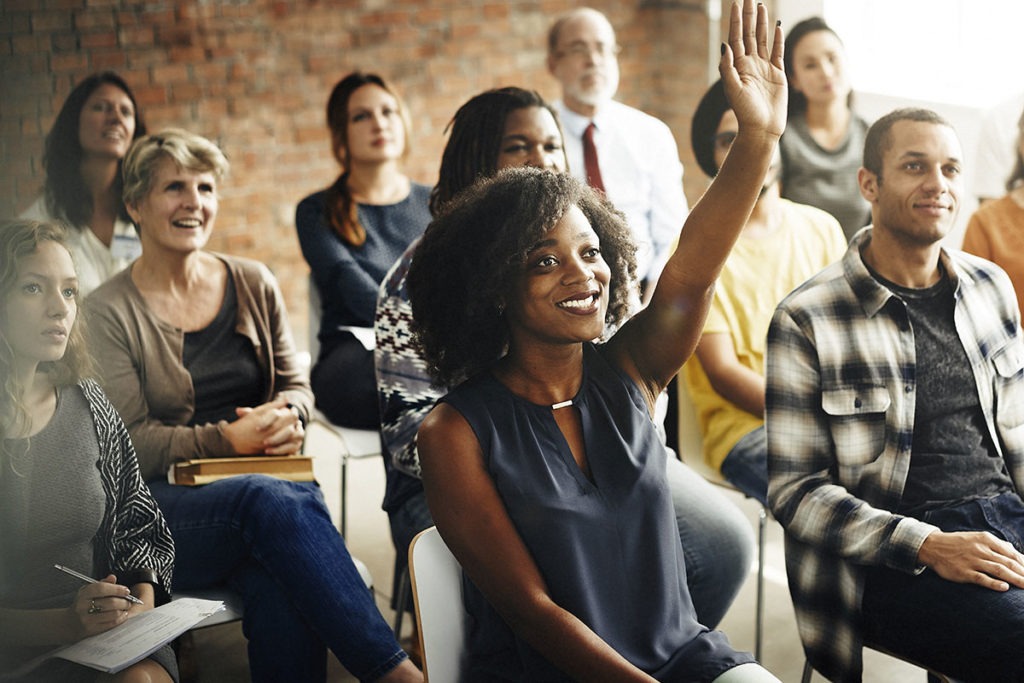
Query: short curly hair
[[471, 256]]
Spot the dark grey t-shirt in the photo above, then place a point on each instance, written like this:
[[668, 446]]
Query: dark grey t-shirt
[[953, 459]]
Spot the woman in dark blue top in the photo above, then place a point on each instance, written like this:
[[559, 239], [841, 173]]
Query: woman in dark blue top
[[352, 232], [543, 471]]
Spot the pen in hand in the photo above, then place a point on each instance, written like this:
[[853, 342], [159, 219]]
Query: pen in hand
[[88, 579]]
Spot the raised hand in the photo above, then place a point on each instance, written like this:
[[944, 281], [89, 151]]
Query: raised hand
[[754, 79]]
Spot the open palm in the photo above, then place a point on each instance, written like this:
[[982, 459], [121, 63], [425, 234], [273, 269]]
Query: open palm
[[754, 78]]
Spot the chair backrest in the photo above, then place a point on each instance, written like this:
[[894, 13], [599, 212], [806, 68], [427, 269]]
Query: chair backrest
[[691, 440], [314, 315], [437, 594]]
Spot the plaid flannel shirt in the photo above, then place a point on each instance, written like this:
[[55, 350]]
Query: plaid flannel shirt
[[840, 399]]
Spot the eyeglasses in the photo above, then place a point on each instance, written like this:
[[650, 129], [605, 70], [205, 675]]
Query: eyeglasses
[[725, 139], [584, 50]]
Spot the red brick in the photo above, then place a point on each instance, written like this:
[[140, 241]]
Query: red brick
[[99, 39], [150, 94], [113, 60], [170, 73], [85, 20], [136, 36], [69, 62]]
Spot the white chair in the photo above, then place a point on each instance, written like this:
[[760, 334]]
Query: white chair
[[691, 450], [437, 594], [355, 443]]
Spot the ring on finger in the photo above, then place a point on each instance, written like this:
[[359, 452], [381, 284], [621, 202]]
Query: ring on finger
[[94, 608]]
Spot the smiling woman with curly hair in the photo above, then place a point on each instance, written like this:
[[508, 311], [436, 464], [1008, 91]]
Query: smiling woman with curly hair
[[543, 468], [462, 274]]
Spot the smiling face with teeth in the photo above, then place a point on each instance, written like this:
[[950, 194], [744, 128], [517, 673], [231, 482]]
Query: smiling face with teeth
[[177, 214], [106, 124], [562, 293]]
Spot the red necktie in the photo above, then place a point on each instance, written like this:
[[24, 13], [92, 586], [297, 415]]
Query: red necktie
[[590, 159]]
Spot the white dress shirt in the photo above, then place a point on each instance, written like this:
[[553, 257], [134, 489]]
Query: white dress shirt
[[642, 175], [95, 262]]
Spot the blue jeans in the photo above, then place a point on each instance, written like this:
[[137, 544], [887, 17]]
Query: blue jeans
[[961, 630], [273, 542], [746, 465], [718, 543]]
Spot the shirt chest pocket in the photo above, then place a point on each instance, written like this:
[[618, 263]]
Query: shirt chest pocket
[[1008, 367], [856, 416]]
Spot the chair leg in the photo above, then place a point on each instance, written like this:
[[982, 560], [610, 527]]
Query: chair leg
[[762, 524], [344, 498], [403, 597], [808, 670]]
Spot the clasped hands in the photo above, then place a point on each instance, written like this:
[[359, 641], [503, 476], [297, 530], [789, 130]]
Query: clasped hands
[[273, 428]]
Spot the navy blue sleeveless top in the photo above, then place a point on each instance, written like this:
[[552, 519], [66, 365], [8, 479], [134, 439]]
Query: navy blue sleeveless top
[[608, 549]]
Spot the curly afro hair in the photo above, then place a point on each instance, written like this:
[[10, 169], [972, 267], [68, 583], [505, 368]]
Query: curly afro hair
[[470, 257]]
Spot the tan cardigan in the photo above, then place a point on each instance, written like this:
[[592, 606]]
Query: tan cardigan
[[139, 358]]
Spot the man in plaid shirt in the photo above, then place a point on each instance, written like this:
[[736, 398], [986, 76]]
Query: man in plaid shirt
[[895, 421]]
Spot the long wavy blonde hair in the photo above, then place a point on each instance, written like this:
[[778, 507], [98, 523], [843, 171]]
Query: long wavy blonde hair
[[18, 239]]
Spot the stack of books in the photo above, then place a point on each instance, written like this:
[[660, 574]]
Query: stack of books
[[206, 470]]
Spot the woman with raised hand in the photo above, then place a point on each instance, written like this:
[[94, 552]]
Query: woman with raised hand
[[542, 467], [196, 350], [70, 490], [83, 155], [352, 232], [508, 128], [824, 140]]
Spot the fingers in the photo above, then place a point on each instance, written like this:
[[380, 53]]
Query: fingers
[[286, 440], [778, 47], [762, 31], [749, 27]]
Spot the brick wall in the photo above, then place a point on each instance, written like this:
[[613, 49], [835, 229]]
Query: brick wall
[[254, 75]]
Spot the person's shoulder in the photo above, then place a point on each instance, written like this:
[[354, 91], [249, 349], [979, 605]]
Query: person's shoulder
[[37, 211], [822, 290], [625, 113], [111, 294], [811, 217], [249, 269], [312, 204]]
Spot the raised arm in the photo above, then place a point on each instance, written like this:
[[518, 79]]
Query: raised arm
[[473, 522], [656, 342]]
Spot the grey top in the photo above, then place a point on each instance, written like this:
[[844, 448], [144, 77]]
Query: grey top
[[608, 548], [826, 179], [51, 506]]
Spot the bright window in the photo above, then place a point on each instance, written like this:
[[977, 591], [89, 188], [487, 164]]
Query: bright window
[[957, 51]]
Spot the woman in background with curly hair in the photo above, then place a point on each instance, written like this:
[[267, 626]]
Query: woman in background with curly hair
[[542, 467], [83, 155], [70, 489], [352, 232]]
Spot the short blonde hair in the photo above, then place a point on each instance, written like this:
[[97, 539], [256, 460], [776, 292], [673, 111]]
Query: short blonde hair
[[189, 151]]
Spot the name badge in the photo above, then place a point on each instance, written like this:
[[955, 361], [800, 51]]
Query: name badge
[[126, 247]]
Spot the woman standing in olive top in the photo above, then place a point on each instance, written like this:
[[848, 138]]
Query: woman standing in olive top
[[83, 155], [823, 146], [352, 232]]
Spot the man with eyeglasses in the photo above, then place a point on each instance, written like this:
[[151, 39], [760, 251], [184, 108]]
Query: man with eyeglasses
[[629, 155], [782, 244]]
